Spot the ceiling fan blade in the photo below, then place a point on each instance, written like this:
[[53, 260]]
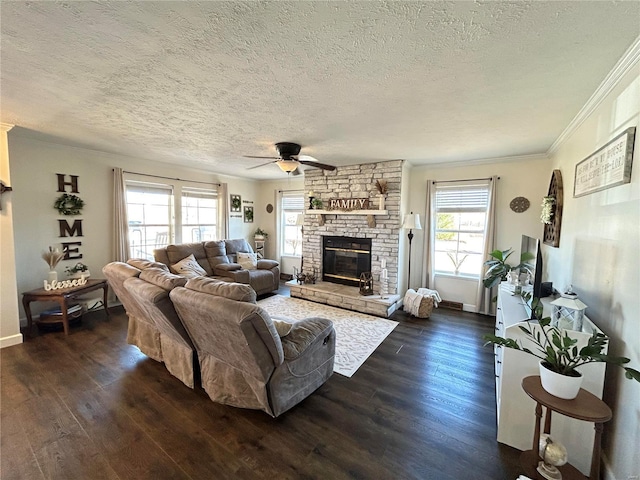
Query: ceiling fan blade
[[317, 164], [307, 158], [258, 166], [253, 156]]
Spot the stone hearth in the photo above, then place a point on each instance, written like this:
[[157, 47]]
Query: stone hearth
[[347, 297]]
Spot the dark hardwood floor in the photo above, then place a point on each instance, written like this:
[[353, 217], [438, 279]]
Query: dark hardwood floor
[[89, 406]]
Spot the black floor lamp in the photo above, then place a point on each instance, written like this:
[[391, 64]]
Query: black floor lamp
[[410, 222]]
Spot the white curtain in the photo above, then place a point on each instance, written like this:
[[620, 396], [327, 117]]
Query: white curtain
[[484, 295], [428, 279], [121, 224], [223, 211]]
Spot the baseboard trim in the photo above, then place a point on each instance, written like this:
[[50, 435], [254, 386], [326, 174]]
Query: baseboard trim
[[11, 340]]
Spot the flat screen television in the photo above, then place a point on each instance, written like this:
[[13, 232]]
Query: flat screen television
[[534, 264]]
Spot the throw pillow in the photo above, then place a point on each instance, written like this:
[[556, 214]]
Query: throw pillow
[[188, 267], [283, 328], [248, 261]]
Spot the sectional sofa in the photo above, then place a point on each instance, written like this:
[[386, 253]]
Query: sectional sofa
[[219, 259], [212, 333]]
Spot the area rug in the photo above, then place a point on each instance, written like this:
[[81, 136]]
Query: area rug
[[357, 334]]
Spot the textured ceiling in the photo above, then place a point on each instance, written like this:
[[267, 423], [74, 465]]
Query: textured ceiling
[[203, 83]]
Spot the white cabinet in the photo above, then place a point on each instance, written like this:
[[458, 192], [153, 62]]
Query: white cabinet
[[515, 409]]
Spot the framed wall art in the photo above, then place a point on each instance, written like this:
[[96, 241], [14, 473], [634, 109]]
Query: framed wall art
[[607, 167], [248, 214], [235, 203]]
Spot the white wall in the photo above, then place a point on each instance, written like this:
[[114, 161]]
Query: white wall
[[9, 326], [34, 165], [599, 255], [270, 222], [519, 177]]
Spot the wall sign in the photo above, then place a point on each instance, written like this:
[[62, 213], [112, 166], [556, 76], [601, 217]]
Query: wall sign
[[608, 167], [348, 204], [71, 207]]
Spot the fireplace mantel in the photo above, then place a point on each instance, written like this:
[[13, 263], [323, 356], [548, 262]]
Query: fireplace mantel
[[371, 220]]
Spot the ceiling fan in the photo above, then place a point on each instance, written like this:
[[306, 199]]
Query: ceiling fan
[[289, 160]]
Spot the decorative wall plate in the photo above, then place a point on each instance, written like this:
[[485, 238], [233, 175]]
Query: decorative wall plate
[[519, 204]]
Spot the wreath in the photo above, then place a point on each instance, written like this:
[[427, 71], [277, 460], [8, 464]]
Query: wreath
[[68, 204]]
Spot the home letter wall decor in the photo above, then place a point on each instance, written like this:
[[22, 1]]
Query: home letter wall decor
[[73, 230], [62, 183], [73, 205]]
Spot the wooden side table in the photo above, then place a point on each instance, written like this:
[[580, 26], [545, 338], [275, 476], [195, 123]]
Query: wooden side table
[[62, 296], [585, 406]]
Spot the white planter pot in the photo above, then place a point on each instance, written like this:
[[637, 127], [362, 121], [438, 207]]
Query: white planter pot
[[85, 274], [561, 386]]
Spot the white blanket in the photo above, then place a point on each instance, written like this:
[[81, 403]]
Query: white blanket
[[412, 299], [431, 293]]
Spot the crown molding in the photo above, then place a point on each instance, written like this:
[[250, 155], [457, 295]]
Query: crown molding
[[5, 127], [480, 161], [629, 60]]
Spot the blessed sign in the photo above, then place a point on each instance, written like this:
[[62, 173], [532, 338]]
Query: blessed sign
[[349, 204], [608, 167]]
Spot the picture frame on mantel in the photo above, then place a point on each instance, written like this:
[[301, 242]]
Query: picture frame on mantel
[[607, 167]]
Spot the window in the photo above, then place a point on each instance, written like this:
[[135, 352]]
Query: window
[[160, 214], [292, 205], [199, 215], [460, 222], [150, 216]]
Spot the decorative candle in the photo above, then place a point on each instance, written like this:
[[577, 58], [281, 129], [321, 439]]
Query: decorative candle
[[311, 193]]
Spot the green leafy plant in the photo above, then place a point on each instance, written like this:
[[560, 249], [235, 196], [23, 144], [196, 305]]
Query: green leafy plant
[[499, 268], [77, 268], [68, 204], [557, 350], [316, 204], [259, 232]]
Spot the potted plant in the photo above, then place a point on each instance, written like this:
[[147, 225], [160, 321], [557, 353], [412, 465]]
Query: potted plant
[[260, 234], [499, 268], [559, 356], [316, 204], [77, 271]]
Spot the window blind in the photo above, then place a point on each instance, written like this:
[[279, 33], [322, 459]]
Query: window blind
[[461, 198], [199, 193], [293, 202]]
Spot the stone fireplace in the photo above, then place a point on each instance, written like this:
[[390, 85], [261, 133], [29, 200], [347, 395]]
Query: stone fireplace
[[356, 182]]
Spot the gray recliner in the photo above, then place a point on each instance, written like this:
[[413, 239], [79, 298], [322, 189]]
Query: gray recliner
[[243, 360], [154, 326]]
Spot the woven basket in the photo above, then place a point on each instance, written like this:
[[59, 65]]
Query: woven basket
[[425, 308]]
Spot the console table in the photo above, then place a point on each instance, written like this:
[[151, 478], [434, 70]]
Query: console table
[[514, 406], [585, 406], [62, 296]]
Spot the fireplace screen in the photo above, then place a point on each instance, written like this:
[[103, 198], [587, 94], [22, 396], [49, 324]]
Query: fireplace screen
[[345, 258]]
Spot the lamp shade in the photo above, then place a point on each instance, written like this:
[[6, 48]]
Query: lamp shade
[[411, 221], [300, 219], [288, 166]]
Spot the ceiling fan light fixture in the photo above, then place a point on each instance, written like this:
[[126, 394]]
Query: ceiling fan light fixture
[[288, 166]]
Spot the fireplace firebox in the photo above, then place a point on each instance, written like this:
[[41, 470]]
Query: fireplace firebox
[[345, 258]]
